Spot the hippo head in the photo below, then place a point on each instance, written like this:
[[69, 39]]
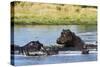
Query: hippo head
[[66, 36]]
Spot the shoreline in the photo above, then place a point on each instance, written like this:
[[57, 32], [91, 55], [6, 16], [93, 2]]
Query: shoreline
[[50, 24]]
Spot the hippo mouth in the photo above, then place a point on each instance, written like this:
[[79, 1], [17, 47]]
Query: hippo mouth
[[62, 41]]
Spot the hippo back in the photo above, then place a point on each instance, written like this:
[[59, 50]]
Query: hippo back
[[33, 46]]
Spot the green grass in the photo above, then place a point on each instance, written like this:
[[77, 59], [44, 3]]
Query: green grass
[[40, 13]]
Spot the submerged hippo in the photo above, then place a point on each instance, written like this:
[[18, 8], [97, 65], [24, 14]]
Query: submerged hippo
[[32, 46], [69, 39], [36, 46]]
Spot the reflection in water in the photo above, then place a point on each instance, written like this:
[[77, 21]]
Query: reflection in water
[[47, 34]]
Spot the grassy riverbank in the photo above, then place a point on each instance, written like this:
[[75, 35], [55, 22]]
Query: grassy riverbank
[[40, 13]]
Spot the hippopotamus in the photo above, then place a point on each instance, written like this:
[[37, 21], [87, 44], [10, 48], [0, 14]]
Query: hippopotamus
[[70, 39], [32, 46]]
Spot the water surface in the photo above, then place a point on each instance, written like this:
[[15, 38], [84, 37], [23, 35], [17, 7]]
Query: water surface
[[47, 34]]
